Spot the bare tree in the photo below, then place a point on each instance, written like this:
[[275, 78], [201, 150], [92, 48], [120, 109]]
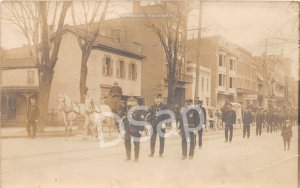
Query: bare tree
[[89, 30], [167, 19], [36, 19]]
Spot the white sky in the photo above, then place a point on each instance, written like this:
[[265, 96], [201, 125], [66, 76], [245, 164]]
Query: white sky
[[247, 24]]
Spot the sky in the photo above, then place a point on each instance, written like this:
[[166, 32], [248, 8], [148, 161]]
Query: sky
[[248, 24]]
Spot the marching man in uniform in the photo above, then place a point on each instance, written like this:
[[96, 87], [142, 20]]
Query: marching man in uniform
[[193, 121], [132, 130], [230, 120], [154, 120], [199, 103]]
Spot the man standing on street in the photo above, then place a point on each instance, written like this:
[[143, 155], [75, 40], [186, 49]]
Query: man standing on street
[[229, 119], [199, 103], [155, 120], [33, 114], [193, 122], [260, 118], [132, 130], [247, 119]]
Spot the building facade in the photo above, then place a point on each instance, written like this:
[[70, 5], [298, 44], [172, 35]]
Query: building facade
[[220, 57], [246, 81], [19, 81], [109, 61], [204, 88], [154, 70]]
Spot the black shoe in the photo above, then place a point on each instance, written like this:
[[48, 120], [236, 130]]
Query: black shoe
[[151, 154], [183, 157]]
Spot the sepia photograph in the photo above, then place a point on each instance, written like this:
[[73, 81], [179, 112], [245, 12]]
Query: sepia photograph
[[149, 93]]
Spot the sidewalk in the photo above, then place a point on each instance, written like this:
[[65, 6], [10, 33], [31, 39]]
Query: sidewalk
[[59, 131], [20, 132]]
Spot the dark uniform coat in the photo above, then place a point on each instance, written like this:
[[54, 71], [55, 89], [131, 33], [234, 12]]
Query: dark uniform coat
[[33, 113]]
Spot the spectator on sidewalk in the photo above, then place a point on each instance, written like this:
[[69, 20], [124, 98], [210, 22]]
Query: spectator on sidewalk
[[286, 134], [33, 114]]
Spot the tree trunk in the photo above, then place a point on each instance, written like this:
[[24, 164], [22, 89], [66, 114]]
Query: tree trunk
[[45, 88], [83, 74], [171, 92]]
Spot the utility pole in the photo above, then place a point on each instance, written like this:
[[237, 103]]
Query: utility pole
[[198, 52]]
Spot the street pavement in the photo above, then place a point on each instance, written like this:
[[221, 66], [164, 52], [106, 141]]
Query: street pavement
[[56, 162]]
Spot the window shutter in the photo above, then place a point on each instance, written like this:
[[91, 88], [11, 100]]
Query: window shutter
[[135, 72], [129, 71], [118, 68], [123, 72], [103, 66], [111, 68]]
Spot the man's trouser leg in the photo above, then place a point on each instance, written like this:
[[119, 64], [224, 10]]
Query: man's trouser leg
[[162, 142], [192, 144], [226, 132], [183, 144], [28, 128], [200, 133], [244, 130], [248, 130], [153, 140], [231, 132], [34, 129], [128, 145]]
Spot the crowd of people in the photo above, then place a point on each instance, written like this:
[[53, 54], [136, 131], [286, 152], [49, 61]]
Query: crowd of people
[[273, 120], [190, 121]]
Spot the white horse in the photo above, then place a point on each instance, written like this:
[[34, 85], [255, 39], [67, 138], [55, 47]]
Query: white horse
[[70, 111], [96, 118]]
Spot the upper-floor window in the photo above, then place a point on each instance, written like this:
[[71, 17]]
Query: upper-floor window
[[222, 80], [231, 64], [221, 60], [121, 71], [231, 82], [207, 84], [30, 77], [107, 66], [132, 71]]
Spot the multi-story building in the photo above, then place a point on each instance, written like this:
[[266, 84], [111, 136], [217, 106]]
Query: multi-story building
[[246, 81], [220, 56], [109, 61], [154, 70], [204, 88], [275, 73], [19, 81]]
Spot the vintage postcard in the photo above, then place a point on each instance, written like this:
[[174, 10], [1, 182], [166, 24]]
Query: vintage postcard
[[149, 93]]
